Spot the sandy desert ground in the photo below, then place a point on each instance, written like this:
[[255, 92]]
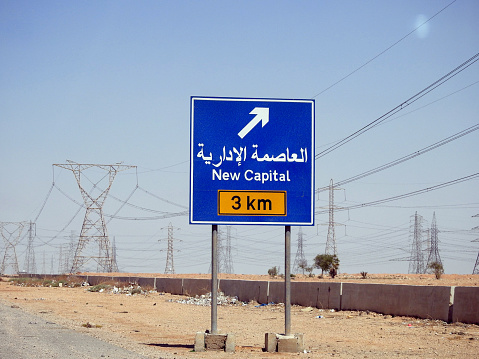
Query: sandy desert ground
[[158, 326]]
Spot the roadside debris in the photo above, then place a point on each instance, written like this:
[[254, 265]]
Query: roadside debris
[[307, 309], [205, 300], [130, 289], [264, 304]]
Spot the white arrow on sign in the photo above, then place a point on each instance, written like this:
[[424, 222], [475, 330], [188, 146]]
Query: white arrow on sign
[[262, 115]]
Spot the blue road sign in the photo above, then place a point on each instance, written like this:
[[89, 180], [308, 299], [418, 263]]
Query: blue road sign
[[252, 161]]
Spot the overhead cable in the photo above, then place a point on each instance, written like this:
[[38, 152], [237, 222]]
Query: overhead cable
[[162, 199], [384, 51], [124, 202], [60, 231], [168, 215], [410, 194], [403, 159], [401, 106], [44, 203]]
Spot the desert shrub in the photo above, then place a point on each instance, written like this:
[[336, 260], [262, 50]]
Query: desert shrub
[[333, 272], [273, 272], [437, 268], [364, 275]]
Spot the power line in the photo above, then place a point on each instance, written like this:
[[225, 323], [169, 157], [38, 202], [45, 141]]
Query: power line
[[405, 158], [114, 216], [153, 218], [433, 102], [163, 199], [384, 51], [44, 202], [401, 106], [410, 194]]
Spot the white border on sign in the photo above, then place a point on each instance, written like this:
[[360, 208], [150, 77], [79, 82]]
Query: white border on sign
[[312, 102]]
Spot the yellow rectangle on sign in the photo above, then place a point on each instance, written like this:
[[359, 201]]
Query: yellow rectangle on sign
[[251, 203]]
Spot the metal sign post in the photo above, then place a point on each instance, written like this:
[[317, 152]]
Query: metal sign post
[[287, 280], [214, 279]]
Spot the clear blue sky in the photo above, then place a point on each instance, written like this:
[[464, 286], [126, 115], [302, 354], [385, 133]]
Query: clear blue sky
[[110, 81]]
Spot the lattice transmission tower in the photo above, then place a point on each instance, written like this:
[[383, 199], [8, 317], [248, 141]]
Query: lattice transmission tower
[[476, 266], [416, 261], [300, 261], [114, 258], [433, 255], [170, 265], [331, 239], [11, 233], [228, 260], [70, 252], [61, 270], [223, 247], [94, 243], [30, 264], [44, 271]]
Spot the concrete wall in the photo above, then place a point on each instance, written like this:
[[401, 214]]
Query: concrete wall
[[194, 287], [97, 279], [170, 285], [457, 304], [245, 290], [466, 305], [123, 280], [146, 282], [276, 292], [309, 294], [407, 300], [318, 295]]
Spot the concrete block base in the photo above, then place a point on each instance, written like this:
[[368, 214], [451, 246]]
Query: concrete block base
[[284, 343], [207, 341]]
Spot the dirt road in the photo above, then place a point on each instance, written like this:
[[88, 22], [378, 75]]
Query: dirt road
[[27, 336]]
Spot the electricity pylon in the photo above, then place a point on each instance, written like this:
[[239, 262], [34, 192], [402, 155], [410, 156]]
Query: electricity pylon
[[434, 247], [11, 233], [476, 266], [416, 261], [170, 265], [114, 260], [228, 260], [331, 239], [300, 261], [68, 258], [60, 261], [30, 265], [225, 259], [94, 229]]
